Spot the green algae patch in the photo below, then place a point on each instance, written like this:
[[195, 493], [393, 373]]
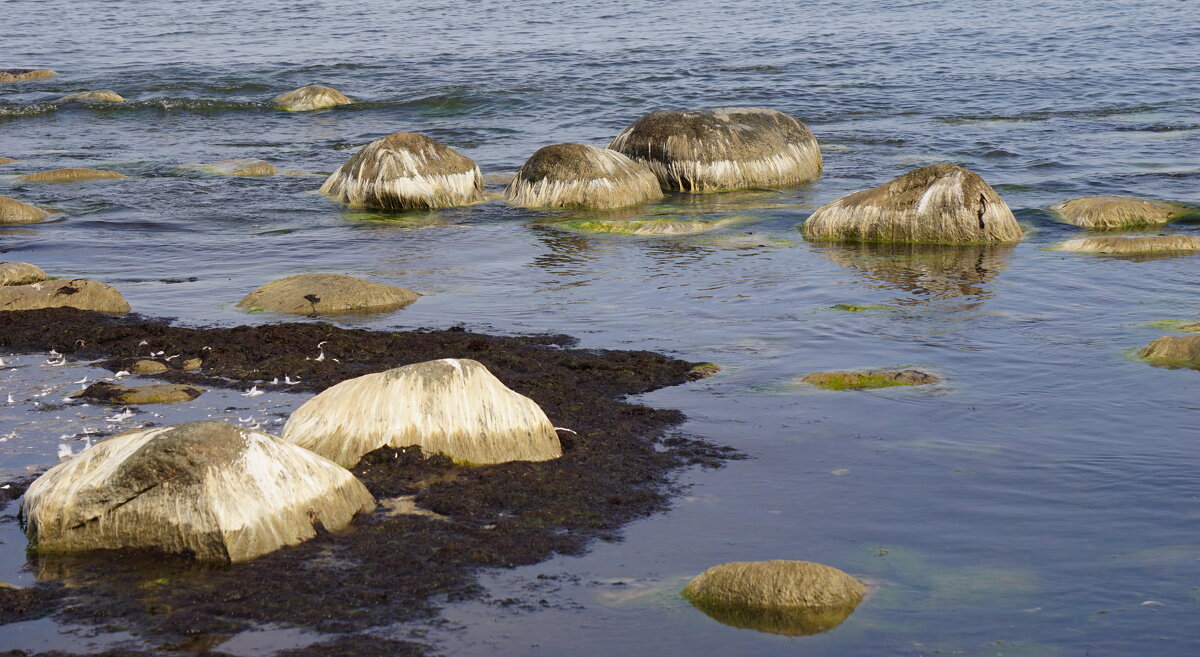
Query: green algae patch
[[703, 370], [847, 380], [854, 308]]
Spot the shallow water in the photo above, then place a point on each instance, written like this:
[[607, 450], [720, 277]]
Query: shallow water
[[1031, 504]]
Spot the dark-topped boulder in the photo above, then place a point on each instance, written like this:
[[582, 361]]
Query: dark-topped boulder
[[1115, 212], [939, 204], [722, 149], [76, 293], [406, 171], [13, 211], [577, 175], [213, 490], [326, 294], [20, 273], [22, 74], [69, 175], [310, 97]]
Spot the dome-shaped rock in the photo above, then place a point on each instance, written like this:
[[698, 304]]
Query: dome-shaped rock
[[217, 491], [1110, 212], [78, 293], [242, 167], [940, 204], [311, 97], [1135, 245], [326, 294], [1182, 350], [783, 597], [20, 273], [577, 175], [68, 175], [13, 211], [21, 74], [99, 96], [406, 171], [454, 407], [720, 149]]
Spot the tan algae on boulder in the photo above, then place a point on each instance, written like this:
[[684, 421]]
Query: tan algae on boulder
[[1113, 212], [77, 293], [660, 226], [310, 97], [69, 175], [162, 393], [940, 204], [210, 489], [454, 407], [793, 598], [13, 211], [578, 175], [242, 167], [1184, 350], [98, 96], [326, 294], [1134, 245], [406, 171], [722, 149], [847, 379], [22, 74], [7, 160], [20, 273]]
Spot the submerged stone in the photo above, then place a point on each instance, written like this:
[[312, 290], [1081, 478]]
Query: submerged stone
[[1184, 350], [7, 160], [792, 598], [77, 293], [310, 97], [209, 489], [112, 393], [406, 171], [844, 380], [99, 96], [1135, 245], [22, 74], [13, 211], [855, 308], [69, 175], [722, 149], [242, 167], [326, 294], [577, 175], [940, 204], [454, 407], [20, 273], [648, 226], [1113, 212]]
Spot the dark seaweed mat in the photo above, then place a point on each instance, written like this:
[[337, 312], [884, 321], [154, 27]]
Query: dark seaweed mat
[[385, 569]]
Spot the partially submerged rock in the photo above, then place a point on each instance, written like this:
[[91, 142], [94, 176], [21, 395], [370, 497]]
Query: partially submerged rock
[[148, 366], [1183, 350], [326, 294], [210, 489], [1112, 212], [855, 308], [69, 175], [76, 293], [406, 171], [22, 74], [577, 175], [664, 226], [454, 407], [245, 166], [1134, 245], [843, 380], [20, 273], [310, 97], [98, 96], [793, 598], [721, 149], [162, 393], [940, 204], [7, 160], [13, 211]]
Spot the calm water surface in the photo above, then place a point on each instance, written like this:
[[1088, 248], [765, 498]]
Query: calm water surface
[[1043, 500]]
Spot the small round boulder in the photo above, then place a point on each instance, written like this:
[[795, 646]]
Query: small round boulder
[[577, 175], [69, 175], [1168, 349], [13, 211], [712, 150], [99, 96], [78, 293], [326, 294], [311, 97], [1136, 245], [406, 171], [20, 273], [1115, 212], [22, 74], [939, 204]]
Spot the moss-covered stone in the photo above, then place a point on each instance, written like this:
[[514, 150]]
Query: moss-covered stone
[[846, 380]]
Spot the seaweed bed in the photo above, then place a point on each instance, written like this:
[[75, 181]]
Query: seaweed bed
[[386, 568]]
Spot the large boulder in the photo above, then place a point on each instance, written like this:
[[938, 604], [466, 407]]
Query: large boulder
[[577, 175], [783, 597], [98, 96], [406, 171], [1168, 349], [21, 74], [77, 293], [20, 273], [720, 149], [13, 211], [210, 489], [1112, 212], [939, 204], [69, 175], [242, 167], [311, 97], [454, 407], [1133, 245], [326, 294]]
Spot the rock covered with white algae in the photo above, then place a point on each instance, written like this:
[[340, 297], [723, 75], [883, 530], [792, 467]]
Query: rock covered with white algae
[[310, 97], [578, 175], [406, 171]]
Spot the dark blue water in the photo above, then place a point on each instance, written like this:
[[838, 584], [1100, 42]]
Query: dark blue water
[[1042, 501]]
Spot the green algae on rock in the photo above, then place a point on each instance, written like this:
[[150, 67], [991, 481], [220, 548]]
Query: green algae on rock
[[68, 175], [326, 294], [577, 175], [1116, 212], [98, 96], [848, 380], [310, 97]]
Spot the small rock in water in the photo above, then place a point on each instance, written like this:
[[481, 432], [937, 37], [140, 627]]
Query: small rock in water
[[69, 175], [22, 74], [99, 96], [843, 380], [311, 97], [13, 211], [147, 366], [112, 393]]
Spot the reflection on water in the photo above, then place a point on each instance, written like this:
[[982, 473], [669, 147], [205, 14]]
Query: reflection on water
[[788, 622], [928, 271]]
